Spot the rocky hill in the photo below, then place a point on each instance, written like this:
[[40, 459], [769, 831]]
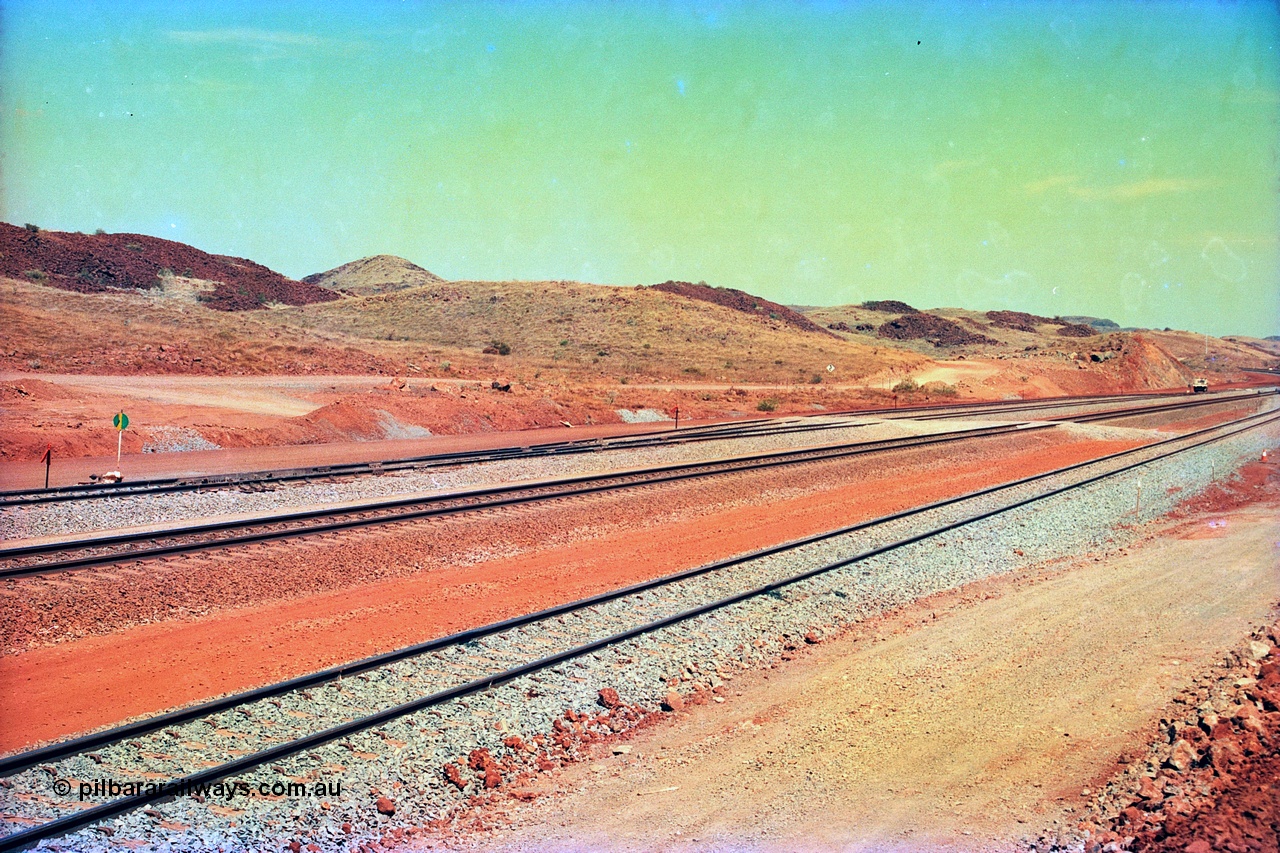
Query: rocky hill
[[98, 263], [369, 276], [742, 301], [952, 332]]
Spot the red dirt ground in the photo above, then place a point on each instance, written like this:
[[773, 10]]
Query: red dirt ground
[[83, 684]]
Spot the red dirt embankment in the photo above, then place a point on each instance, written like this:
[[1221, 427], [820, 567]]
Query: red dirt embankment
[[73, 413], [97, 263]]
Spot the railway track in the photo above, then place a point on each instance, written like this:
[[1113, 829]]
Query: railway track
[[1141, 411], [106, 550], [1176, 404], [98, 551], [657, 438], [304, 714], [264, 479]]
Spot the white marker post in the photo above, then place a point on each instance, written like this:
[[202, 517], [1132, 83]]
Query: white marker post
[[121, 423]]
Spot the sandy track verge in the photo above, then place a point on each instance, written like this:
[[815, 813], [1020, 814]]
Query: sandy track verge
[[336, 599], [966, 721]]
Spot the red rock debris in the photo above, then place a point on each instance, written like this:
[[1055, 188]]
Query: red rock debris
[[1213, 781], [454, 774], [524, 758]]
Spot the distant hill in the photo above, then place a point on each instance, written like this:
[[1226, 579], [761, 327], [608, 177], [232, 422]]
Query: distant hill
[[740, 300], [889, 306], [592, 329], [1097, 322], [97, 263], [369, 276], [956, 331]]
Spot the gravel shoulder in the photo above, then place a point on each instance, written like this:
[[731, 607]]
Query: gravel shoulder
[[970, 720]]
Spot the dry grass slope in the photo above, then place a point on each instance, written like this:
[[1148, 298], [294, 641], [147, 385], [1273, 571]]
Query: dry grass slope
[[123, 332], [1218, 357], [594, 331], [378, 274]]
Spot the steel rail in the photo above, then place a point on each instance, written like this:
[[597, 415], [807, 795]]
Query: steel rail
[[86, 817], [706, 432], [1175, 403], [358, 516], [413, 508], [1140, 411], [356, 469], [12, 764]]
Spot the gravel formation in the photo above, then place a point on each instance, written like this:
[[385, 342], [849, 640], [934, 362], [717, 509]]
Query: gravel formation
[[417, 769], [642, 416], [172, 439]]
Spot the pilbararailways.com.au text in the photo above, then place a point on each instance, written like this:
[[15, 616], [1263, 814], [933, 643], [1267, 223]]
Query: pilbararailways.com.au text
[[99, 789]]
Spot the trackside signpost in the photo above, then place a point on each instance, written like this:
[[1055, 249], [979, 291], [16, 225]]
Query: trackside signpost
[[121, 423], [48, 459]]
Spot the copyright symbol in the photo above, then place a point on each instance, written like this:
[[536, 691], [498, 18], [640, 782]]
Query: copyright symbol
[[62, 787]]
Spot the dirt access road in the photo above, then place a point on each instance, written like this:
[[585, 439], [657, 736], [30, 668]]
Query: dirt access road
[[967, 721]]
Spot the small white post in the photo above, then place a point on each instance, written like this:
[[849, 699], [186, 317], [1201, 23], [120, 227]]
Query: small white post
[[119, 446], [1138, 507]]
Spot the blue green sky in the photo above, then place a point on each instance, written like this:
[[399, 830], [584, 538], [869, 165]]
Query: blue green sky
[[1113, 159]]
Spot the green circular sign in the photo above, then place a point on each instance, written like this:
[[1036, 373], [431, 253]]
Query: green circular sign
[[120, 421]]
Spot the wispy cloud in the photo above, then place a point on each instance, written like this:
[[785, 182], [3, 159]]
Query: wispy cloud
[[1046, 184], [1070, 184], [245, 37], [950, 167], [1139, 189]]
